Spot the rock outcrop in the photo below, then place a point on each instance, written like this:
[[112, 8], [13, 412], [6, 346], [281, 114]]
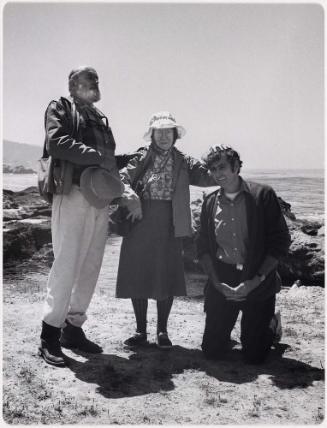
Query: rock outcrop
[[26, 225], [27, 234], [23, 240], [306, 257]]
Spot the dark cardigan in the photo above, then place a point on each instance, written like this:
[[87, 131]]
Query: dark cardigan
[[267, 231]]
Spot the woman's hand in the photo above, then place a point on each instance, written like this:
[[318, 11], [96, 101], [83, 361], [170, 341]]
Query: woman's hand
[[133, 205], [135, 214]]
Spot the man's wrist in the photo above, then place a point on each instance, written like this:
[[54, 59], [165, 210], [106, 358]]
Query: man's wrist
[[217, 285]]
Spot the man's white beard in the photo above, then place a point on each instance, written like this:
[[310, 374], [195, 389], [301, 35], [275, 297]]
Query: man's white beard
[[89, 95]]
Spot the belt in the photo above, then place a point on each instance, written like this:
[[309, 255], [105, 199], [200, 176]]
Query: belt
[[237, 266]]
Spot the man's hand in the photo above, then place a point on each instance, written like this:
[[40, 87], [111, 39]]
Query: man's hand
[[225, 289], [123, 160], [244, 288], [237, 294], [130, 156]]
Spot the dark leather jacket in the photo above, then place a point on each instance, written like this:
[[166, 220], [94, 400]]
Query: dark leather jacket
[[65, 144]]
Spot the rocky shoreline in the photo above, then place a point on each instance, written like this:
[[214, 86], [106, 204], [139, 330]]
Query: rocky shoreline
[[27, 236]]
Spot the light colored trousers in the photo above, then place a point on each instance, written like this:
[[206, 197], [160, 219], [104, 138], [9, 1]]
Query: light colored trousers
[[79, 234]]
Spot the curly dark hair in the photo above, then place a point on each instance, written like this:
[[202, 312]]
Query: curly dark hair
[[215, 153]]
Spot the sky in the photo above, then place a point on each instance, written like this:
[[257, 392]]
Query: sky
[[245, 75]]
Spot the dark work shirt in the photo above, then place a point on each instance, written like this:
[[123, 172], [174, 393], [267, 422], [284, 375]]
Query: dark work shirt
[[94, 131], [267, 231], [231, 227]]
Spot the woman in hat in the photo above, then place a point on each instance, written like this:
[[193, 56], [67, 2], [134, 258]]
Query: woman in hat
[[151, 265]]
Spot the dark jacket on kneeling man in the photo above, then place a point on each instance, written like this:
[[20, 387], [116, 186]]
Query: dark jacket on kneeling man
[[267, 234]]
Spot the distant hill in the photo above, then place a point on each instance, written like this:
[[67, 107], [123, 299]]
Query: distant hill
[[20, 154]]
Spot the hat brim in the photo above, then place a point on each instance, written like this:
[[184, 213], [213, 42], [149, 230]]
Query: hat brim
[[115, 188], [181, 131]]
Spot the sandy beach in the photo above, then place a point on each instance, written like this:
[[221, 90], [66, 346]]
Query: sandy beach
[[150, 386]]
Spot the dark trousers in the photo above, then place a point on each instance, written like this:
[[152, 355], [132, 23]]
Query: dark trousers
[[221, 316]]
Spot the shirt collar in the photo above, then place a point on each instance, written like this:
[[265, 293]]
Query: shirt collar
[[243, 188]]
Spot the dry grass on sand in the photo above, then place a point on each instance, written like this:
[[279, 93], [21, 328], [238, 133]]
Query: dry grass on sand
[[150, 386]]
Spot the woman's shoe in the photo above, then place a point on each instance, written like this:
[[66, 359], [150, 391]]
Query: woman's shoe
[[138, 339], [163, 341]]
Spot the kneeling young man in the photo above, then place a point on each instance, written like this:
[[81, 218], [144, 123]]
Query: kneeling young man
[[242, 236]]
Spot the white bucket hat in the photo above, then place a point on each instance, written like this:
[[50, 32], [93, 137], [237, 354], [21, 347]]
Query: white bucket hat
[[163, 119], [100, 187]]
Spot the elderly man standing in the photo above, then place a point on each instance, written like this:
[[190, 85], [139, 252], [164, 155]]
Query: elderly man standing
[[242, 236], [85, 180]]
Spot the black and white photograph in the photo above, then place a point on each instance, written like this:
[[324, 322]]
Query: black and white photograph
[[163, 213]]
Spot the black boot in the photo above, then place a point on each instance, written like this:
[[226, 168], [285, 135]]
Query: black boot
[[50, 349], [74, 337]]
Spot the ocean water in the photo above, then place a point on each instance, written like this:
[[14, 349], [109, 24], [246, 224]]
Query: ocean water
[[303, 189], [17, 182]]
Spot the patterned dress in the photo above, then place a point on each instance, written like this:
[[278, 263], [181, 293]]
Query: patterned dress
[[151, 264]]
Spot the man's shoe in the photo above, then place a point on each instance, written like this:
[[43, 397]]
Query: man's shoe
[[276, 327], [163, 341], [138, 339], [51, 352], [74, 338]]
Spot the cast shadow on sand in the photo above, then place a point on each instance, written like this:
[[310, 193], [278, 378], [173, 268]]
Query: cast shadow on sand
[[150, 370]]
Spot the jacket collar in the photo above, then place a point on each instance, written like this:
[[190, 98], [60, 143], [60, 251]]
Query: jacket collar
[[178, 162]]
